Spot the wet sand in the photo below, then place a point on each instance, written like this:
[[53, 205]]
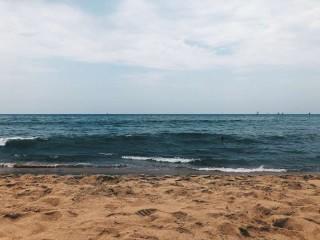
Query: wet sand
[[160, 207]]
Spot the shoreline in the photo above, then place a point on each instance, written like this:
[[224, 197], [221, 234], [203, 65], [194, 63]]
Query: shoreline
[[123, 171]]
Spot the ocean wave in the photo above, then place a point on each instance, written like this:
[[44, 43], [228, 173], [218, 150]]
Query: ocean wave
[[160, 159], [242, 170], [127, 140], [43, 165], [56, 165], [5, 140], [7, 165]]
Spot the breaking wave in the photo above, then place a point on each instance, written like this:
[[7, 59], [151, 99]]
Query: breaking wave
[[242, 170], [55, 165], [160, 159], [5, 140]]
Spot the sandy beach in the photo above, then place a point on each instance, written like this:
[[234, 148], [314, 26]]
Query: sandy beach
[[163, 207]]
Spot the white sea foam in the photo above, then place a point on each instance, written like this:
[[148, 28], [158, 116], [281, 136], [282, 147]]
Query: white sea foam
[[5, 140], [160, 159], [7, 165], [242, 170], [43, 165]]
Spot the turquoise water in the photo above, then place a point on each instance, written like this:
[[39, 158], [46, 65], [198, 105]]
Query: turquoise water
[[203, 142]]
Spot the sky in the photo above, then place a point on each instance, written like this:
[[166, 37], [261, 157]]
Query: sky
[[159, 56]]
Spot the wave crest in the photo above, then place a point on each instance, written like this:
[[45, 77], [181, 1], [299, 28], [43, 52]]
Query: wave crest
[[242, 170], [57, 165], [5, 140], [160, 159]]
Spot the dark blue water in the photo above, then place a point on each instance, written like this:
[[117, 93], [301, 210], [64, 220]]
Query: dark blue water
[[223, 142]]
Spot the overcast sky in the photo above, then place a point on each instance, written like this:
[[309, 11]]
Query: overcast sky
[[159, 56]]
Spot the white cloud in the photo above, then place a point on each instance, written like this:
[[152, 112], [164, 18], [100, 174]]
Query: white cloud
[[180, 34]]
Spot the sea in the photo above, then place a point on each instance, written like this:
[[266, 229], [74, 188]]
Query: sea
[[202, 143]]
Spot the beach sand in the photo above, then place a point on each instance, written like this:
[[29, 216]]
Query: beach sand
[[164, 207]]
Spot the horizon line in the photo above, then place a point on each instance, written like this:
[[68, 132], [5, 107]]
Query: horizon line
[[257, 113]]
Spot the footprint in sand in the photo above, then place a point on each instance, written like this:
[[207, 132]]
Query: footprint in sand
[[215, 214], [287, 223], [108, 231], [183, 230], [227, 229], [262, 211], [51, 216], [143, 236], [180, 215], [52, 201], [146, 212], [73, 214]]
